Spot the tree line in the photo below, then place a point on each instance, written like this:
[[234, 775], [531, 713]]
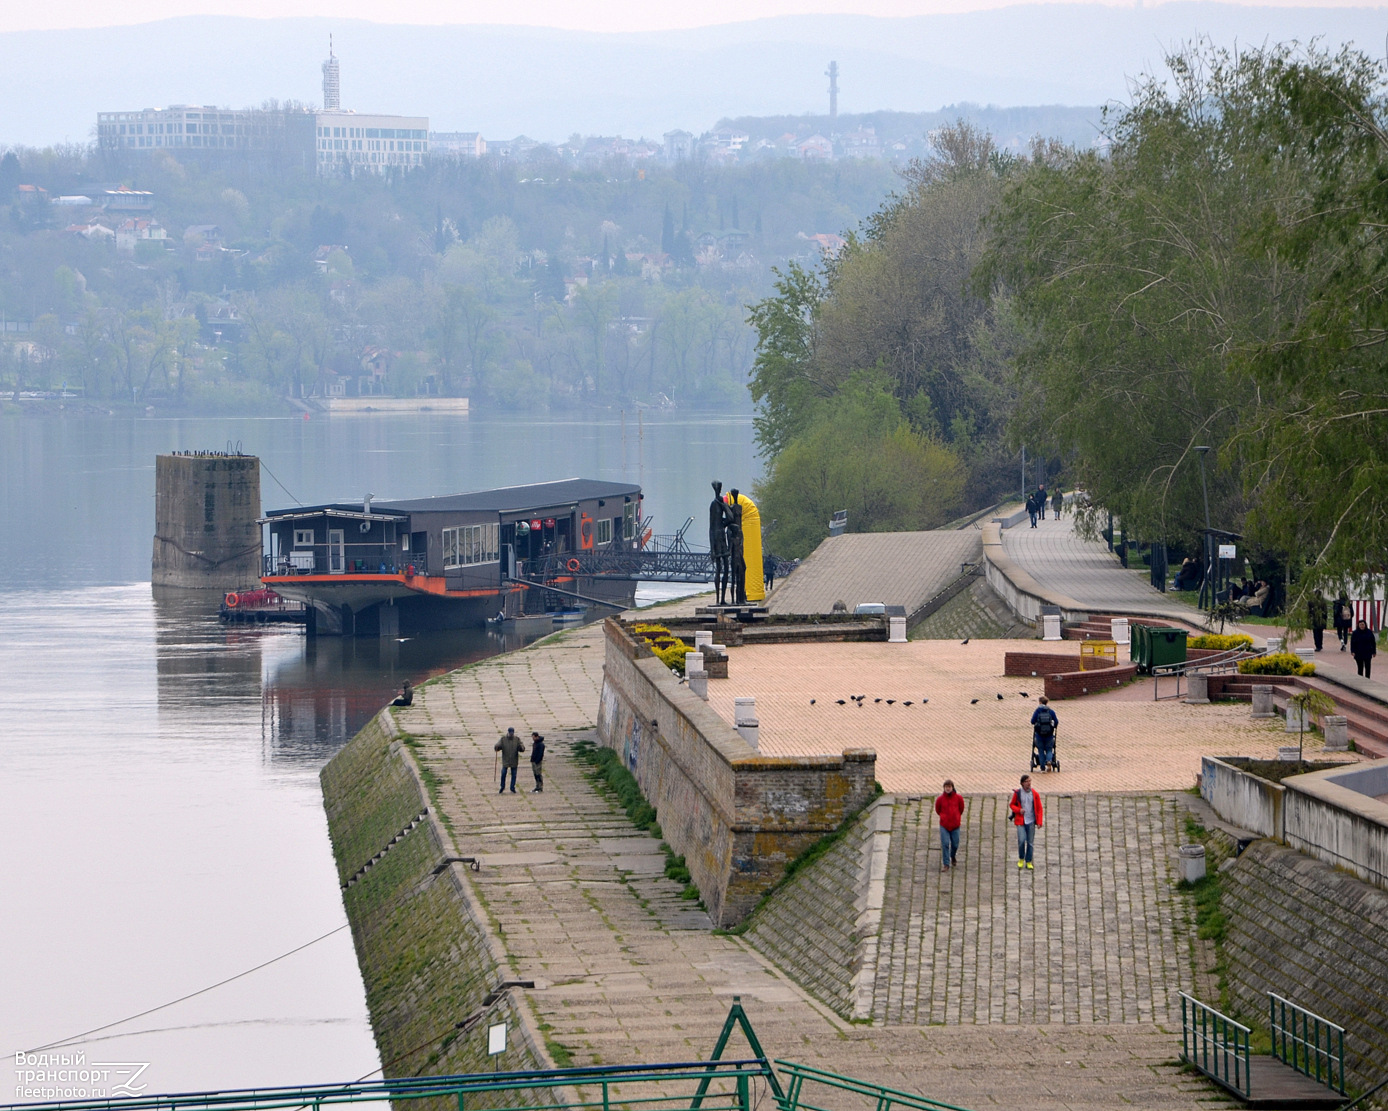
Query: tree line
[[1209, 277], [523, 283]]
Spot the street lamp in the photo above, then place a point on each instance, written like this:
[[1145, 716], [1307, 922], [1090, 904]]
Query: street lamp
[[1206, 585]]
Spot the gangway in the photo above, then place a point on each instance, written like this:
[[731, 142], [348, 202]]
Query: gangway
[[1305, 1070]]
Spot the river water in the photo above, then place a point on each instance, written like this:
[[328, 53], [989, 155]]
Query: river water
[[160, 816]]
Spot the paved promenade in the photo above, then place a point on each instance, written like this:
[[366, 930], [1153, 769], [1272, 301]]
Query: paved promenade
[[627, 971], [1063, 562], [985, 744]]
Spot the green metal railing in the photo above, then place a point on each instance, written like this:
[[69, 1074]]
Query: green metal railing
[[1312, 1045], [713, 1085], [721, 1086], [883, 1098], [1215, 1044]]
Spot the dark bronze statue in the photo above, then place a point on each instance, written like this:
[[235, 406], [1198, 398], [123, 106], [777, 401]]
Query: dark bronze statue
[[735, 555], [719, 516]]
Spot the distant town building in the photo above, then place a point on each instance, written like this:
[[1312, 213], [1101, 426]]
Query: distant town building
[[332, 82], [136, 230], [679, 146], [458, 144], [329, 141]]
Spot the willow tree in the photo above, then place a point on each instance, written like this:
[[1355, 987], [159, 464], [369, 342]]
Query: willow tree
[[1144, 273]]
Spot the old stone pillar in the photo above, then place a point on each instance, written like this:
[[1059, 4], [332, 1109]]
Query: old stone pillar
[[1336, 732], [1197, 690], [1262, 702], [745, 719]]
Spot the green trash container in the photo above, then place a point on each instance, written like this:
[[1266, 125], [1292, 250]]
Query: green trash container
[[1140, 646], [1168, 646]]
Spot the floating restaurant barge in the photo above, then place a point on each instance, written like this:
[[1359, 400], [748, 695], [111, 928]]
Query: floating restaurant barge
[[451, 562]]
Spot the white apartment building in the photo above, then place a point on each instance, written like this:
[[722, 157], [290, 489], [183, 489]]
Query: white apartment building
[[369, 142]]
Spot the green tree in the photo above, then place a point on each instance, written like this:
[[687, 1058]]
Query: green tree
[[857, 452], [1143, 289]]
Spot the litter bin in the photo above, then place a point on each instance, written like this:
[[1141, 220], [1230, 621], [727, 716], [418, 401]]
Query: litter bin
[[1168, 646], [1140, 646], [1192, 863]]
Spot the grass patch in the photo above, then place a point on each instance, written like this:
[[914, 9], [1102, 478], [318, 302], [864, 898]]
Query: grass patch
[[559, 1054], [607, 771]]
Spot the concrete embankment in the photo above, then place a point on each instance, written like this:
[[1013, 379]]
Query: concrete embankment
[[1312, 934], [428, 958]]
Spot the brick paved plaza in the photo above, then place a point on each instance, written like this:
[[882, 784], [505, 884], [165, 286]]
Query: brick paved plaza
[[1121, 741], [1048, 989]]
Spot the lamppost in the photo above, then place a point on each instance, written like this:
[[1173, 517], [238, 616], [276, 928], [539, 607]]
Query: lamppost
[[1205, 584]]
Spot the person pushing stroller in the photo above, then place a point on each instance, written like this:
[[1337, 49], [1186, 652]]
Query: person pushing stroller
[[1043, 728]]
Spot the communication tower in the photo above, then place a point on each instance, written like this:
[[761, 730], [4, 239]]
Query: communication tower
[[833, 74], [332, 84]]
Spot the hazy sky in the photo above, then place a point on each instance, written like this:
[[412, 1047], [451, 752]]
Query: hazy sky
[[589, 15]]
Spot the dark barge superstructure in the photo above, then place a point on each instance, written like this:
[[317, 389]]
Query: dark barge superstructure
[[381, 568]]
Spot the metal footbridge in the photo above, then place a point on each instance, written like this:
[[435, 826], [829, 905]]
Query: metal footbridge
[[717, 1084], [660, 559]]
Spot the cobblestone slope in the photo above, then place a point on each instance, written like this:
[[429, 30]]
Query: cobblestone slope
[[1096, 934]]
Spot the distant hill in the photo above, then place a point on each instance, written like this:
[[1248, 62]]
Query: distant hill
[[546, 83]]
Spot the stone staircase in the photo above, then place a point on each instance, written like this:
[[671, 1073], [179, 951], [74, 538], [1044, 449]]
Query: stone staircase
[[1368, 720], [1100, 627]]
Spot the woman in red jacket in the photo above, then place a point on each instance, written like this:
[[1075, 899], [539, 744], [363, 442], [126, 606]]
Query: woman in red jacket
[[949, 805], [1026, 815]]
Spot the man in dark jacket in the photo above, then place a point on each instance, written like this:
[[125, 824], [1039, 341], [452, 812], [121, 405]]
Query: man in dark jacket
[[1317, 613], [510, 746], [1344, 620], [1031, 509], [537, 760], [1363, 646], [1043, 726]]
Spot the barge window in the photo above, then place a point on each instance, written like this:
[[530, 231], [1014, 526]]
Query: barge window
[[470, 544], [603, 528], [303, 538], [629, 521]]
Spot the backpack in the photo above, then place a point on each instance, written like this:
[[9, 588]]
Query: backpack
[[1046, 726]]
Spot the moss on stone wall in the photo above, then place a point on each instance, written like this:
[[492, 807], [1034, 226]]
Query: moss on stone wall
[[423, 953]]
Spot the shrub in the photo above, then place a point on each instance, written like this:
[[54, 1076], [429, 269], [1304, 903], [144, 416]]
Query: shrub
[[1221, 642], [1281, 663], [669, 648]]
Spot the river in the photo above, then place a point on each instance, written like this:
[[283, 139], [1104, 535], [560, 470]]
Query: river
[[159, 808]]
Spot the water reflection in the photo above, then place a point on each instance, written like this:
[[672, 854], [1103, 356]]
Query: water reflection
[[313, 693]]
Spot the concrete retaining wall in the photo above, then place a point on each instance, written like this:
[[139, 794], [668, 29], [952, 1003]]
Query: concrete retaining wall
[[1333, 815], [1314, 935], [1061, 677], [1017, 588], [426, 953], [737, 817], [1243, 800]]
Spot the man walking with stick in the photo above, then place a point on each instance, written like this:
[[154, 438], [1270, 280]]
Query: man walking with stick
[[510, 746]]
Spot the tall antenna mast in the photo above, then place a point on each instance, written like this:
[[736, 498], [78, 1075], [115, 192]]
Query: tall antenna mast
[[833, 74], [332, 85]]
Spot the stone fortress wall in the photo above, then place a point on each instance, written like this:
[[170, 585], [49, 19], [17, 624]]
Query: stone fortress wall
[[737, 817]]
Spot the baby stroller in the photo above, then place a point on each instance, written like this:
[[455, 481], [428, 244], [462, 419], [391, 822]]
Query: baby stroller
[[1043, 757]]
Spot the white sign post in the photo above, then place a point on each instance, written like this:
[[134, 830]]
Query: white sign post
[[1226, 551], [496, 1041]]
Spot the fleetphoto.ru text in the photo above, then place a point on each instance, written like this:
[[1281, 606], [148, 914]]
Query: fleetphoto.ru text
[[69, 1076]]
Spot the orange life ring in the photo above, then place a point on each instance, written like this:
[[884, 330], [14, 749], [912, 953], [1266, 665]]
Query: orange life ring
[[573, 565], [233, 600]]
